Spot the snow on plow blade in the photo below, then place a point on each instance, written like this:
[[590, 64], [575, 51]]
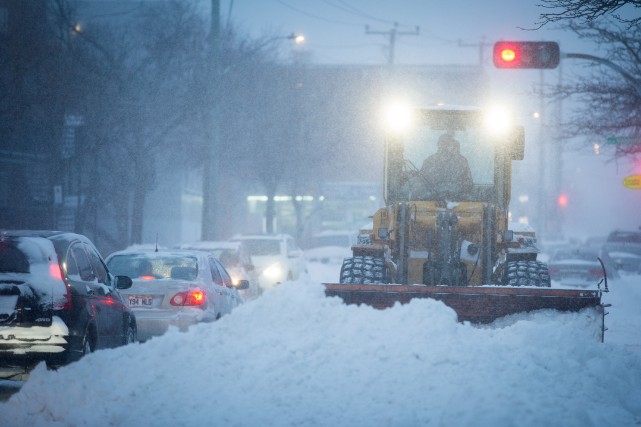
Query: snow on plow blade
[[475, 304]]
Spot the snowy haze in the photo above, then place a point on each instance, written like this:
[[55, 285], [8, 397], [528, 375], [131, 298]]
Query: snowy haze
[[295, 357]]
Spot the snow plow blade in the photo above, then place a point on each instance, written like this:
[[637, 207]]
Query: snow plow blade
[[475, 304]]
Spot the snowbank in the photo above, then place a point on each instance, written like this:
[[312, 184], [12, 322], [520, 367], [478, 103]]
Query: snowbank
[[295, 357]]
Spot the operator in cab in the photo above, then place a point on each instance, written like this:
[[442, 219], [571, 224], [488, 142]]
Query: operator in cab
[[446, 173]]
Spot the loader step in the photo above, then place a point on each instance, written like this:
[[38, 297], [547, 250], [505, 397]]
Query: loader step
[[476, 304]]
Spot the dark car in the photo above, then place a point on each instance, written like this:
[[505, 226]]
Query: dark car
[[624, 247], [58, 301]]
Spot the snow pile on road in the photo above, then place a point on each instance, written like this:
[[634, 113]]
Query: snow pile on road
[[295, 357]]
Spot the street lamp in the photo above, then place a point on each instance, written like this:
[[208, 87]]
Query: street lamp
[[298, 38]]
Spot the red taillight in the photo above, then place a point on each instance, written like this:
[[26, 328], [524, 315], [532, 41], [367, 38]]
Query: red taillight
[[147, 277], [63, 303], [194, 297], [55, 272]]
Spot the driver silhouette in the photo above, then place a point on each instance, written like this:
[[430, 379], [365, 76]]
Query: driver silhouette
[[446, 173]]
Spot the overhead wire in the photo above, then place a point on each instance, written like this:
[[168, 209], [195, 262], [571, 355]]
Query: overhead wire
[[312, 15]]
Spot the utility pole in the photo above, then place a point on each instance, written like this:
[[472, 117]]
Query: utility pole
[[392, 34], [210, 170]]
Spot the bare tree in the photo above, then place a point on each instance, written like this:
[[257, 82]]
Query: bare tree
[[586, 10], [610, 99]]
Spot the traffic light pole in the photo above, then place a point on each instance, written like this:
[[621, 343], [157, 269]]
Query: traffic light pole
[[629, 77]]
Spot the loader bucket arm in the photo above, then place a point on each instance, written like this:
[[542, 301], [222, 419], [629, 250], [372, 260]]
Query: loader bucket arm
[[476, 304]]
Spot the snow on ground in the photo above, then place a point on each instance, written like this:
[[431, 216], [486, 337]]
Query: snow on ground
[[295, 357]]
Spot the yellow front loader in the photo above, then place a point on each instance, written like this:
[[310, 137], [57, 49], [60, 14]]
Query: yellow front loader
[[452, 246]]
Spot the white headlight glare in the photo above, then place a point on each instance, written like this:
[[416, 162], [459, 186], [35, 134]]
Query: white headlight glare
[[498, 120], [274, 271], [398, 117]]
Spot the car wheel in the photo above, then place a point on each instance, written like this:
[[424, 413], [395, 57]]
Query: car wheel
[[86, 344], [130, 335]]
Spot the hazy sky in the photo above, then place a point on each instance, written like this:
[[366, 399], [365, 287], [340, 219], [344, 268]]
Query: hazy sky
[[335, 32], [335, 29]]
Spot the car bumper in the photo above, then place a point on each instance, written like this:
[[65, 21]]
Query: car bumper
[[151, 323], [29, 345]]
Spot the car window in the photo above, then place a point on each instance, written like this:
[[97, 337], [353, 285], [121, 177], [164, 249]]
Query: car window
[[216, 276], [98, 267], [223, 273], [575, 255], [625, 237], [260, 247], [78, 264], [151, 266], [229, 258], [12, 259]]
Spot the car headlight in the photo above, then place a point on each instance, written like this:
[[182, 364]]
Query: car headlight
[[274, 271]]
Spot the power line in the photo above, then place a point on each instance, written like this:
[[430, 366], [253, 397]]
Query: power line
[[346, 7], [392, 33], [312, 15]]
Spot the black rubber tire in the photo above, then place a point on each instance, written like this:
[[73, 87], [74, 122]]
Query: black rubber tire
[[363, 269], [130, 335], [526, 273], [86, 345]]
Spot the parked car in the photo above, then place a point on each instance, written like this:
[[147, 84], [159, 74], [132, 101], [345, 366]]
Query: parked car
[[175, 288], [579, 266], [624, 247], [237, 261], [58, 301], [277, 258]]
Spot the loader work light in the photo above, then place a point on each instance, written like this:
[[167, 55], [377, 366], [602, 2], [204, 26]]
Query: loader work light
[[397, 117], [517, 54]]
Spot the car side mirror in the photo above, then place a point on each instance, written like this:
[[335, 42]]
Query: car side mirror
[[242, 284], [123, 282]]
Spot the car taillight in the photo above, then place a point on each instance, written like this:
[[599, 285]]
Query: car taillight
[[553, 271], [195, 297], [147, 277], [65, 302], [55, 272]]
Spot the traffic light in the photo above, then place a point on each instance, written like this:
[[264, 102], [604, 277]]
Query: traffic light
[[526, 54]]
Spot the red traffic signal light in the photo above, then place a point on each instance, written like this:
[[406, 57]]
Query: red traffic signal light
[[526, 54]]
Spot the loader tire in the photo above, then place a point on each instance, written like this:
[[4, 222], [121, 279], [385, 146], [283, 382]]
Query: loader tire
[[363, 269], [526, 273]]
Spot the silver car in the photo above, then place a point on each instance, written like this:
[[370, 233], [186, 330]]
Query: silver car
[[237, 261], [175, 288], [578, 266]]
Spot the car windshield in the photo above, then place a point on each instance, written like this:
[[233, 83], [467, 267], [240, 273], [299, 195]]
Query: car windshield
[[475, 146], [564, 255], [154, 267], [625, 237], [260, 247]]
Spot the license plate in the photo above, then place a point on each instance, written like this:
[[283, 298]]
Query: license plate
[[144, 301]]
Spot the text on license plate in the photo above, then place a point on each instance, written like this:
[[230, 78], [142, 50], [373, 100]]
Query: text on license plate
[[140, 301]]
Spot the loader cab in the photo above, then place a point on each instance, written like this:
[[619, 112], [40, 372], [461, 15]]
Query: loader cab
[[488, 154]]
